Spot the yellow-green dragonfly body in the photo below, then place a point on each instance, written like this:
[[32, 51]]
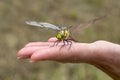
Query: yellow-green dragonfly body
[[64, 33]]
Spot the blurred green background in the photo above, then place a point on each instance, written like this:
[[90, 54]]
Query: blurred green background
[[14, 34]]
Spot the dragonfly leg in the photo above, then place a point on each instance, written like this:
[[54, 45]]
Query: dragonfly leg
[[69, 42], [63, 44], [55, 43]]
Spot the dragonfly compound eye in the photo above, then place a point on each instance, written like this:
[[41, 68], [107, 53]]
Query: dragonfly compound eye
[[66, 33], [59, 37]]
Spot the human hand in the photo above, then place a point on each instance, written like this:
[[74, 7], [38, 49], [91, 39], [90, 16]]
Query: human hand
[[39, 51], [102, 54]]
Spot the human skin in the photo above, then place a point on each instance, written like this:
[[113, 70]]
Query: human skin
[[102, 54]]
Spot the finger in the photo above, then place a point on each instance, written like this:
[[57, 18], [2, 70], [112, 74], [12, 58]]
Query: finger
[[56, 53], [28, 51], [77, 53], [46, 54], [32, 44], [53, 39]]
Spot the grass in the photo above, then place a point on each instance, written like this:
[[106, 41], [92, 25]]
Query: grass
[[15, 34]]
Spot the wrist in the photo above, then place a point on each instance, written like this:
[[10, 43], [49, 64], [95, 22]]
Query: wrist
[[107, 58]]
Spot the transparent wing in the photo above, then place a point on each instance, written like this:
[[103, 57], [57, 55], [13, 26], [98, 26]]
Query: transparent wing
[[43, 25], [86, 24]]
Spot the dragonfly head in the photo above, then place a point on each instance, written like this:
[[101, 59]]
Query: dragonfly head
[[63, 34]]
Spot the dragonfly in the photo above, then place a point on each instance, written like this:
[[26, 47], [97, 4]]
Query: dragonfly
[[64, 33]]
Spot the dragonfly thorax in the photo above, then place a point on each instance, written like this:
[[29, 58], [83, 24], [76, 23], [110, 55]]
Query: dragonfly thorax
[[63, 34]]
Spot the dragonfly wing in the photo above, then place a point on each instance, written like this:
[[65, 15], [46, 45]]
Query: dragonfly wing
[[43, 25], [86, 24]]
